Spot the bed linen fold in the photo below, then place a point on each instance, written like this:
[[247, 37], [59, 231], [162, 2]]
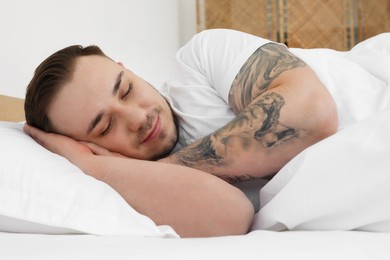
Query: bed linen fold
[[342, 182]]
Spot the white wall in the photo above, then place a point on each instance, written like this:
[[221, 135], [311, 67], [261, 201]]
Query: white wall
[[143, 34]]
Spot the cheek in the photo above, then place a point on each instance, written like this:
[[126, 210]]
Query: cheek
[[118, 142]]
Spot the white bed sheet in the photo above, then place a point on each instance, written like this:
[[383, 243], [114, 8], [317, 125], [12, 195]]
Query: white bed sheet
[[255, 245]]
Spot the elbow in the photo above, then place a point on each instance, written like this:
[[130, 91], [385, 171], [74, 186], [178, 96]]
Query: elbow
[[225, 214], [235, 216], [240, 225], [237, 220], [325, 116], [328, 124]]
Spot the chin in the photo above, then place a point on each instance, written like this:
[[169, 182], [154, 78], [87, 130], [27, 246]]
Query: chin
[[163, 153], [166, 150]]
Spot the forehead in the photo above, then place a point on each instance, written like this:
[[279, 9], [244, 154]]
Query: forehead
[[79, 100], [93, 67]]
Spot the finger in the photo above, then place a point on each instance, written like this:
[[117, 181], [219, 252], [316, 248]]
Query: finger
[[34, 132], [26, 128], [98, 150], [41, 137]]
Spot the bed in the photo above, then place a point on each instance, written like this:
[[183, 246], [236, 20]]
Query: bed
[[332, 201], [32, 230]]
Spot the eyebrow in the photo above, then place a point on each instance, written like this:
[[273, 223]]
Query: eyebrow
[[117, 83], [94, 122], [99, 116]]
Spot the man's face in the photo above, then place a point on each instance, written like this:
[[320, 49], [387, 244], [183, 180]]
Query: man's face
[[108, 105]]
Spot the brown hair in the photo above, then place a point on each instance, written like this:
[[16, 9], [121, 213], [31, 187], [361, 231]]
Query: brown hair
[[49, 76]]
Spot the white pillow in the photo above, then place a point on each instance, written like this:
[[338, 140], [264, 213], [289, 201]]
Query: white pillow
[[41, 192]]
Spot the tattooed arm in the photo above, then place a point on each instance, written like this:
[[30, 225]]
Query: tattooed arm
[[281, 108]]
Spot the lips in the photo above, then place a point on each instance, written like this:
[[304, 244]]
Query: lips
[[154, 132]]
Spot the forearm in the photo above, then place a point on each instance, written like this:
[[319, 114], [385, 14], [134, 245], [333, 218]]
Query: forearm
[[272, 129], [192, 202]]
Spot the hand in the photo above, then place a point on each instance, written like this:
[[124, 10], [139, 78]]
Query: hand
[[98, 150], [62, 145]]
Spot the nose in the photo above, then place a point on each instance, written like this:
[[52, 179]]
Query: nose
[[132, 117]]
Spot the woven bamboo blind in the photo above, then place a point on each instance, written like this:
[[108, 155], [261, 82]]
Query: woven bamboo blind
[[336, 24]]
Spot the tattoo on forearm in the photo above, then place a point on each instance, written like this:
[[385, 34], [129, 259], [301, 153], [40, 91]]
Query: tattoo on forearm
[[256, 75], [202, 152], [272, 132], [258, 124], [260, 121]]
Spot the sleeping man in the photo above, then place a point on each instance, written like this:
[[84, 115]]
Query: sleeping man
[[237, 107]]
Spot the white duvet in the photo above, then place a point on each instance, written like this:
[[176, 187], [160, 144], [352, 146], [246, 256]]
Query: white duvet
[[343, 182]]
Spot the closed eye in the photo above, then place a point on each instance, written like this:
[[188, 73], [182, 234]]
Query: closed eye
[[108, 128], [127, 91]]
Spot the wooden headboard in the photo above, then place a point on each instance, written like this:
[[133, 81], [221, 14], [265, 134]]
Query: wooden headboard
[[11, 109], [332, 24]]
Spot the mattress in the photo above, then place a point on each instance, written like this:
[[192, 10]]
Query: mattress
[[255, 245]]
